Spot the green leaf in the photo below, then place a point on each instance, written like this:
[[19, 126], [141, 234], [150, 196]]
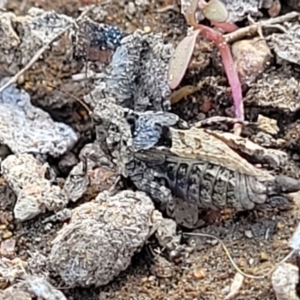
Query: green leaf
[[215, 11], [181, 59]]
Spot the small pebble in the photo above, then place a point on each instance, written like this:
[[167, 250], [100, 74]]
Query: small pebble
[[214, 242], [223, 276], [7, 234], [7, 246], [264, 256], [201, 117], [296, 157], [250, 57], [189, 249], [144, 280], [4, 284], [131, 8], [21, 80], [249, 234], [280, 226], [147, 29], [151, 278], [225, 290], [199, 273], [284, 280], [206, 106], [275, 9]]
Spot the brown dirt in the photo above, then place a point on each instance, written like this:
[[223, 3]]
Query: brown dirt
[[256, 241]]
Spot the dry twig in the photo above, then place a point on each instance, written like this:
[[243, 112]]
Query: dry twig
[[254, 28], [235, 266]]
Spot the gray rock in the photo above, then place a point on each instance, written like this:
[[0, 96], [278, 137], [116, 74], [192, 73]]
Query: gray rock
[[103, 235], [25, 128]]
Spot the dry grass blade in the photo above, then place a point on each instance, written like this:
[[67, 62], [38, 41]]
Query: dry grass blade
[[235, 286], [227, 253], [183, 92], [233, 262], [181, 59], [81, 102]]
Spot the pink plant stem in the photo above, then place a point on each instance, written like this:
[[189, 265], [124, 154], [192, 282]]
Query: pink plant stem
[[229, 67], [228, 27]]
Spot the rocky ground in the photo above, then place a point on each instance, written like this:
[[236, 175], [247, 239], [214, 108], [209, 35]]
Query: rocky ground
[[256, 241]]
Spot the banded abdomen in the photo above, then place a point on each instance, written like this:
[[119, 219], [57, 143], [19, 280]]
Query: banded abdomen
[[210, 185]]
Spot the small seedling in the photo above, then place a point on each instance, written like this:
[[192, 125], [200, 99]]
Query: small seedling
[[216, 12]]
